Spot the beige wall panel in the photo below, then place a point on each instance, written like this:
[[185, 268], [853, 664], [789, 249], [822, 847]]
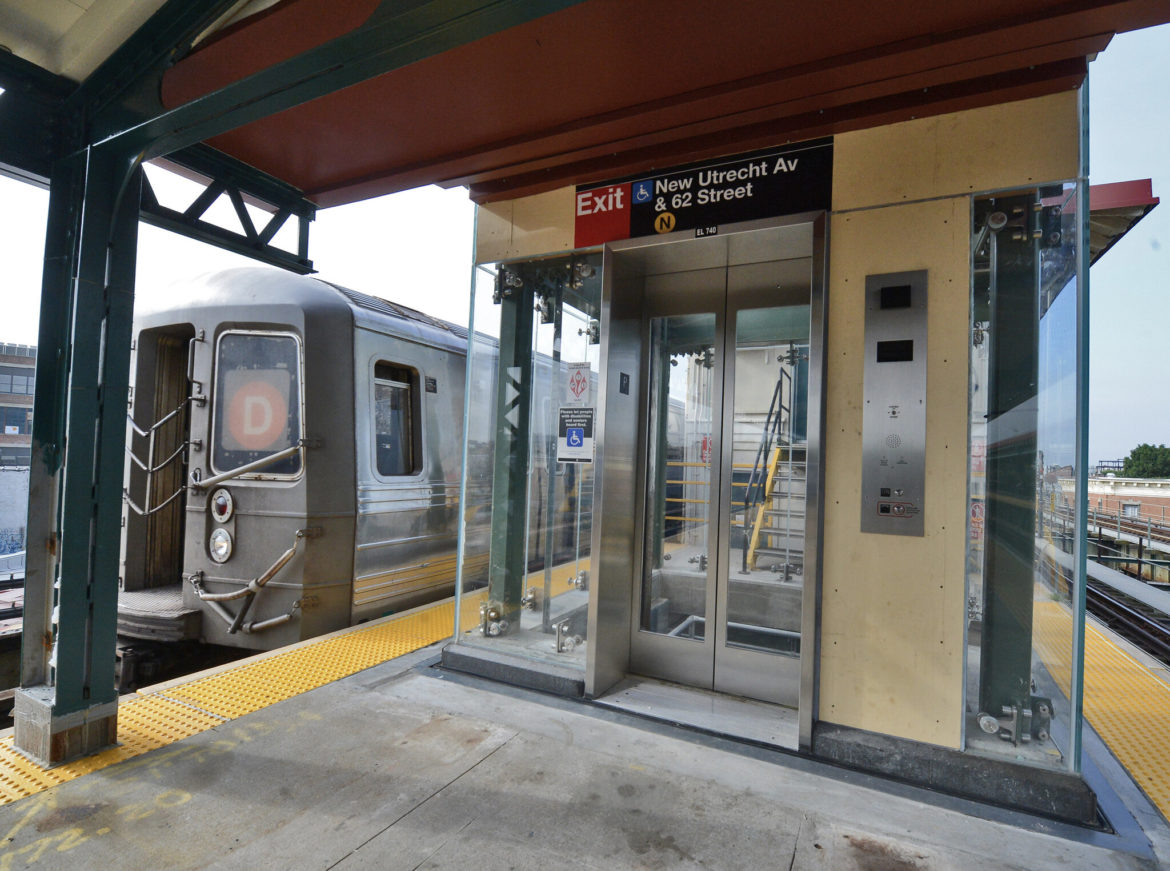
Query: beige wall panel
[[1020, 143], [493, 231], [893, 606], [527, 227]]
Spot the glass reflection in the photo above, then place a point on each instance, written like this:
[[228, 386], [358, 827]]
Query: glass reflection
[[679, 504], [769, 448]]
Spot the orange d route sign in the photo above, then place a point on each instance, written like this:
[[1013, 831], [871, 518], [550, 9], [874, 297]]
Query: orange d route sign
[[257, 414]]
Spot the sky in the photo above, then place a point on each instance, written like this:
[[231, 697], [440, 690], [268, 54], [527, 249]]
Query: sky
[[1129, 137], [416, 248]]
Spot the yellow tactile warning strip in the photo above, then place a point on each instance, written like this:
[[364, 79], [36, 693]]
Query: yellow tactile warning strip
[[157, 718], [1124, 701], [1127, 705], [240, 691]]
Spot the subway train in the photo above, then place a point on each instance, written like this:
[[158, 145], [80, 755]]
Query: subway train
[[294, 456]]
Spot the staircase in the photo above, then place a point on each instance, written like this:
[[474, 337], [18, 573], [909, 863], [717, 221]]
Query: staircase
[[777, 535], [772, 510]]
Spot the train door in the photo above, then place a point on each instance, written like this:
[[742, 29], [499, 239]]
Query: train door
[[720, 590], [158, 460]]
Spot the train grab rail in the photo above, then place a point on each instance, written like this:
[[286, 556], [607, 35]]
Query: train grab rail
[[255, 466], [250, 590], [149, 467]]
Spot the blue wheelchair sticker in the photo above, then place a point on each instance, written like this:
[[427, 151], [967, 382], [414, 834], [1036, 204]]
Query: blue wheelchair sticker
[[575, 436], [643, 191]]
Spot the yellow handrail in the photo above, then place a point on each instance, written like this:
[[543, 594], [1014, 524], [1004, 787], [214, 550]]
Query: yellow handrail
[[773, 461]]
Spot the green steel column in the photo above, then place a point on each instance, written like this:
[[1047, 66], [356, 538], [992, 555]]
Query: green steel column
[[509, 561], [550, 462], [1010, 521], [66, 194], [72, 708]]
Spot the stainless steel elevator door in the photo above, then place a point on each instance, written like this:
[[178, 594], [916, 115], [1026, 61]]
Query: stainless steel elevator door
[[726, 386]]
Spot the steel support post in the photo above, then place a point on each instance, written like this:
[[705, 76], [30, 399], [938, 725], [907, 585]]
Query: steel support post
[[556, 301], [66, 191], [1010, 522], [67, 705], [509, 561]]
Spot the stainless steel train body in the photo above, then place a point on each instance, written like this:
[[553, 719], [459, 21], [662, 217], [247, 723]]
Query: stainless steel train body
[[296, 456]]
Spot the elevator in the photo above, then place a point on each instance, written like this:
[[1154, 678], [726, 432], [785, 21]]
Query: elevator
[[717, 341]]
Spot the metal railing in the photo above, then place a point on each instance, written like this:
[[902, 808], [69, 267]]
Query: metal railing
[[149, 466]]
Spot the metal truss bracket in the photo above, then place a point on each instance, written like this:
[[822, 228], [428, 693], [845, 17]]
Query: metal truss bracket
[[40, 114], [222, 175]]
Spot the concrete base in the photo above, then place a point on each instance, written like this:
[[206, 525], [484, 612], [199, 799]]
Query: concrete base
[[50, 739], [514, 670], [1051, 793]]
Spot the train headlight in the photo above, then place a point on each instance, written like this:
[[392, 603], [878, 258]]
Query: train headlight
[[222, 505], [220, 545]]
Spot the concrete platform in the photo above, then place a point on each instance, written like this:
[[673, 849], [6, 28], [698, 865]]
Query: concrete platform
[[402, 766]]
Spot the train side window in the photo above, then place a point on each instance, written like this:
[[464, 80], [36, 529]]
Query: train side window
[[397, 440]]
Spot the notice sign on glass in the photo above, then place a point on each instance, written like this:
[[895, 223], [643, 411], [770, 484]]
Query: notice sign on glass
[[575, 436], [578, 383], [702, 197]]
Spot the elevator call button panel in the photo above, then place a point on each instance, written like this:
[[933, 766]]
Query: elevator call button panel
[[893, 422]]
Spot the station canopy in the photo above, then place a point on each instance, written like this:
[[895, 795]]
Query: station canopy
[[513, 98], [1114, 210]]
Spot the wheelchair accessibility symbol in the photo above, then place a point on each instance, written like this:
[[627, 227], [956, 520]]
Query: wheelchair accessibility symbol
[[575, 435], [642, 192]]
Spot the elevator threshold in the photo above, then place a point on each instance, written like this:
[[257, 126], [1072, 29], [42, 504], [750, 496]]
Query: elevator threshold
[[709, 711]]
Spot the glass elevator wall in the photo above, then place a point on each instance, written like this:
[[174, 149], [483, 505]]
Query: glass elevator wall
[[1024, 613], [532, 399]]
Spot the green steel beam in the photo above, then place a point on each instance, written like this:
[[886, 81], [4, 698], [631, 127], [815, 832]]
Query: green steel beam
[[508, 564], [126, 84], [26, 138], [214, 164], [66, 197], [37, 103], [390, 40], [239, 182], [17, 74], [555, 300], [28, 118], [1010, 520], [91, 492]]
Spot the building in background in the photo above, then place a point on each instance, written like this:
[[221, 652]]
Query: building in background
[[1137, 498], [17, 370], [17, 382]]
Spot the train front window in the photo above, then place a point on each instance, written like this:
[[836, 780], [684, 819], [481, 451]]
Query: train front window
[[257, 402], [396, 437]]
